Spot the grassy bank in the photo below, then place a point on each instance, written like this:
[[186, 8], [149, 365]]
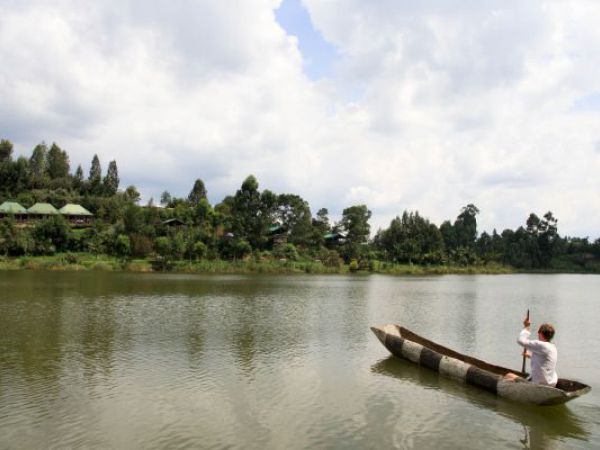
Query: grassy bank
[[85, 262]]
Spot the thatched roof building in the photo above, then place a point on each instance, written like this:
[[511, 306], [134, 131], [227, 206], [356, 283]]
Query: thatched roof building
[[42, 209]]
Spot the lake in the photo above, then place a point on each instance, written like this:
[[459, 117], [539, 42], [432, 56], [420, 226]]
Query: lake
[[157, 361]]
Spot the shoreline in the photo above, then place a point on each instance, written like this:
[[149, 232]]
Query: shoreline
[[74, 262]]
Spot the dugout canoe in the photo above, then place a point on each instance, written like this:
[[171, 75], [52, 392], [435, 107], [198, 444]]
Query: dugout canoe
[[405, 344]]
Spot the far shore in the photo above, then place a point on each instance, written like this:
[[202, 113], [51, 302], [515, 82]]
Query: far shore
[[88, 262]]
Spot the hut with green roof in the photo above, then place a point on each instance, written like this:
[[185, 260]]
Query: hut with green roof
[[76, 214], [41, 211], [13, 209]]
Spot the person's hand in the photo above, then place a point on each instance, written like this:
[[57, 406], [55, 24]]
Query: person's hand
[[526, 323], [526, 354]]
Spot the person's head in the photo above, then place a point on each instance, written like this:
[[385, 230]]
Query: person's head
[[546, 331]]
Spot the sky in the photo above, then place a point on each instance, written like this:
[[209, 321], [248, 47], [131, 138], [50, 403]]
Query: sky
[[400, 105]]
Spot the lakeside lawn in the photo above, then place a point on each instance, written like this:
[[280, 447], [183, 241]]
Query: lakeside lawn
[[86, 261]]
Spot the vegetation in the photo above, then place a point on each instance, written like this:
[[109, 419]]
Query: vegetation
[[252, 230]]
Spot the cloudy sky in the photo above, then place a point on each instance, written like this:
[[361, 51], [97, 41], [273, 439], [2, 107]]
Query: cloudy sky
[[420, 105]]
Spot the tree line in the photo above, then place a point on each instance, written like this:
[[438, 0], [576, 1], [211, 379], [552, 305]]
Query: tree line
[[251, 223]]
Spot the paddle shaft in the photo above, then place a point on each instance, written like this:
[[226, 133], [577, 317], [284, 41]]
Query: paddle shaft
[[524, 350]]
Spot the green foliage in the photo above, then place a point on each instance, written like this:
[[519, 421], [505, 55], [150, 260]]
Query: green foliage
[[37, 166], [465, 226], [51, 234], [243, 225], [199, 250], [198, 193], [293, 214], [355, 224], [6, 149], [57, 164], [411, 238], [95, 176], [141, 246], [122, 246], [110, 183]]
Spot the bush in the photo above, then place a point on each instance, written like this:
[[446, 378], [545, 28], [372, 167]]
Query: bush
[[122, 246], [199, 250], [141, 246], [52, 233]]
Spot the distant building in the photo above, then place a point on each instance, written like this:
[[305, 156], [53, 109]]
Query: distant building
[[41, 211], [175, 223], [334, 239], [77, 215], [278, 236], [13, 209]]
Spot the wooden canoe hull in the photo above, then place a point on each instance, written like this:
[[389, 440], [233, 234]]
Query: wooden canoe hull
[[403, 343]]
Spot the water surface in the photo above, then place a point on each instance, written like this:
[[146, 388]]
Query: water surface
[[116, 360]]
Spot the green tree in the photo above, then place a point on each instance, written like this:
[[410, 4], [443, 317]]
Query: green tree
[[250, 218], [37, 167], [131, 194], [78, 181], [198, 193], [122, 246], [111, 180], [411, 238], [57, 163], [52, 234], [165, 199], [293, 213], [133, 219], [355, 225], [6, 149], [95, 176], [465, 226], [548, 238]]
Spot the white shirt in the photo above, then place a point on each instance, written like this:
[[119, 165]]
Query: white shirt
[[543, 359]]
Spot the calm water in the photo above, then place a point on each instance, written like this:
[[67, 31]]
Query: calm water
[[105, 360]]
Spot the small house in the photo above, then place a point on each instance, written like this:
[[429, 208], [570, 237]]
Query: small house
[[77, 215], [41, 211], [13, 209]]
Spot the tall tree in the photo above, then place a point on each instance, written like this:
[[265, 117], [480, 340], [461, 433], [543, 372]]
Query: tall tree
[[411, 238], [95, 177], [293, 213], [6, 149], [355, 224], [131, 194], [165, 198], [548, 238], [78, 179], [37, 166], [197, 193], [111, 180], [449, 236], [57, 163], [250, 213], [465, 226]]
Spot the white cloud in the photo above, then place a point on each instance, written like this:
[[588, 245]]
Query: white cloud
[[452, 102]]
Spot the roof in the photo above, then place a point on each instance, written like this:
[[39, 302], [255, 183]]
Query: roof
[[174, 221], [277, 228], [71, 209], [12, 208], [45, 209]]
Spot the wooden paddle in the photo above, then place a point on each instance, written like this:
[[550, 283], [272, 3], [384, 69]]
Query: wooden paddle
[[525, 350]]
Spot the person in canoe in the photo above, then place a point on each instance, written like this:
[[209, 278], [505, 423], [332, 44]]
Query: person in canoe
[[542, 352]]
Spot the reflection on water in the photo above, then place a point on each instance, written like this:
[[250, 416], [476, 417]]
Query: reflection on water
[[543, 427], [109, 360]]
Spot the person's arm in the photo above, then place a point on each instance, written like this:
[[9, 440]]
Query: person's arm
[[523, 339]]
